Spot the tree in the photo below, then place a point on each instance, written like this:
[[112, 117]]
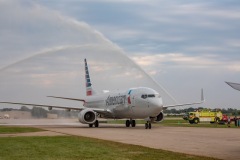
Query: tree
[[24, 108], [39, 112]]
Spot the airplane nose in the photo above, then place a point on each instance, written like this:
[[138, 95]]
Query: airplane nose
[[156, 103]]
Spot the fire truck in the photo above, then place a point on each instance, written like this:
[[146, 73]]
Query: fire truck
[[205, 115]]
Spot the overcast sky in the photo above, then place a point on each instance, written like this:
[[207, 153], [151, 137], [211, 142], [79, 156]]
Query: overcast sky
[[184, 45]]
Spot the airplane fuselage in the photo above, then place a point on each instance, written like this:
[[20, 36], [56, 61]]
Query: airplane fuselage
[[133, 103]]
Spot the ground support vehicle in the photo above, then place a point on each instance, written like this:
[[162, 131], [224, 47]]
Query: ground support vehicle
[[205, 115]]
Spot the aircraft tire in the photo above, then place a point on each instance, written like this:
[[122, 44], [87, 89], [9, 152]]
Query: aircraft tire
[[133, 123], [146, 125], [191, 121], [217, 120], [196, 120], [90, 125], [127, 123], [150, 126], [96, 123]]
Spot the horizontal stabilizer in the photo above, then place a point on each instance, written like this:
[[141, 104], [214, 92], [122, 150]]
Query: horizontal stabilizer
[[234, 85]]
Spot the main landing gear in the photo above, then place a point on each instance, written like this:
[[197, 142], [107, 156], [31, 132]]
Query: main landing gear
[[148, 125], [96, 124], [130, 122]]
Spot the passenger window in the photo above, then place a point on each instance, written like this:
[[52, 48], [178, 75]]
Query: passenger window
[[144, 96]]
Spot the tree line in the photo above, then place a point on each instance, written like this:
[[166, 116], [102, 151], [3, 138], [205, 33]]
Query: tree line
[[39, 112], [228, 111]]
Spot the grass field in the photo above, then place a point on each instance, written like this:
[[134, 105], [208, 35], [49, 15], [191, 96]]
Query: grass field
[[67, 147], [184, 123], [13, 129]]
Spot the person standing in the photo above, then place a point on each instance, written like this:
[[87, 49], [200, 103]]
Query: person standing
[[235, 120], [229, 121]]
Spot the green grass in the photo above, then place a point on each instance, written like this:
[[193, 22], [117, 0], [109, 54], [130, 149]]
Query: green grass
[[203, 125], [13, 129], [183, 123], [67, 147]]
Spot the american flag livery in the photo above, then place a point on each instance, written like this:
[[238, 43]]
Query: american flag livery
[[89, 90]]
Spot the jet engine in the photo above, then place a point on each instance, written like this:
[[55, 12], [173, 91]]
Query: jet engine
[[87, 116], [159, 118]]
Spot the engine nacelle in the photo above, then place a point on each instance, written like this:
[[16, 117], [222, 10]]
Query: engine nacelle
[[159, 118], [87, 116]]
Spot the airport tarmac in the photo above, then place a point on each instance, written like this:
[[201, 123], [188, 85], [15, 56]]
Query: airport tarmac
[[223, 143]]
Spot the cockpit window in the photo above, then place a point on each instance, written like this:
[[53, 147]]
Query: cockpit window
[[151, 95], [144, 96]]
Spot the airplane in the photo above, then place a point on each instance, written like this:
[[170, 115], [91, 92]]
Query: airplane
[[133, 103], [234, 85]]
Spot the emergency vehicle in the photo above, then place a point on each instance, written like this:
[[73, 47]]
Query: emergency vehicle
[[205, 115]]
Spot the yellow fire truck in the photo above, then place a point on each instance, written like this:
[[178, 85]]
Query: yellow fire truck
[[204, 115]]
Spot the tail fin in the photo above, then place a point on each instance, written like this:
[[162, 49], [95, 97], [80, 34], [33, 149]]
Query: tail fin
[[89, 90]]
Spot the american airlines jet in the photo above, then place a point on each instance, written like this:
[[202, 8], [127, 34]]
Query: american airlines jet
[[134, 103]]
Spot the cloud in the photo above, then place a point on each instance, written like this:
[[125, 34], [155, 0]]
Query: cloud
[[235, 67], [43, 44], [192, 28], [180, 60], [233, 43], [28, 27]]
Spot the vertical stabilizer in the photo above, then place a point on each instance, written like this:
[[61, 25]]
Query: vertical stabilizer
[[89, 90]]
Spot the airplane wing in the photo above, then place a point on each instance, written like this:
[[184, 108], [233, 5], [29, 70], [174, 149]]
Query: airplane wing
[[186, 104], [49, 106], [234, 85], [74, 99], [98, 110]]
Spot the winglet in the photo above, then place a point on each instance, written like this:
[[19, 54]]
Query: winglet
[[202, 96]]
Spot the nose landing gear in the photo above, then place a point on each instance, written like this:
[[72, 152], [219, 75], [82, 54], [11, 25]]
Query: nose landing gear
[[148, 125]]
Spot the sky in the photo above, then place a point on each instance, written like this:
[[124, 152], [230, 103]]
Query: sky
[[183, 45]]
